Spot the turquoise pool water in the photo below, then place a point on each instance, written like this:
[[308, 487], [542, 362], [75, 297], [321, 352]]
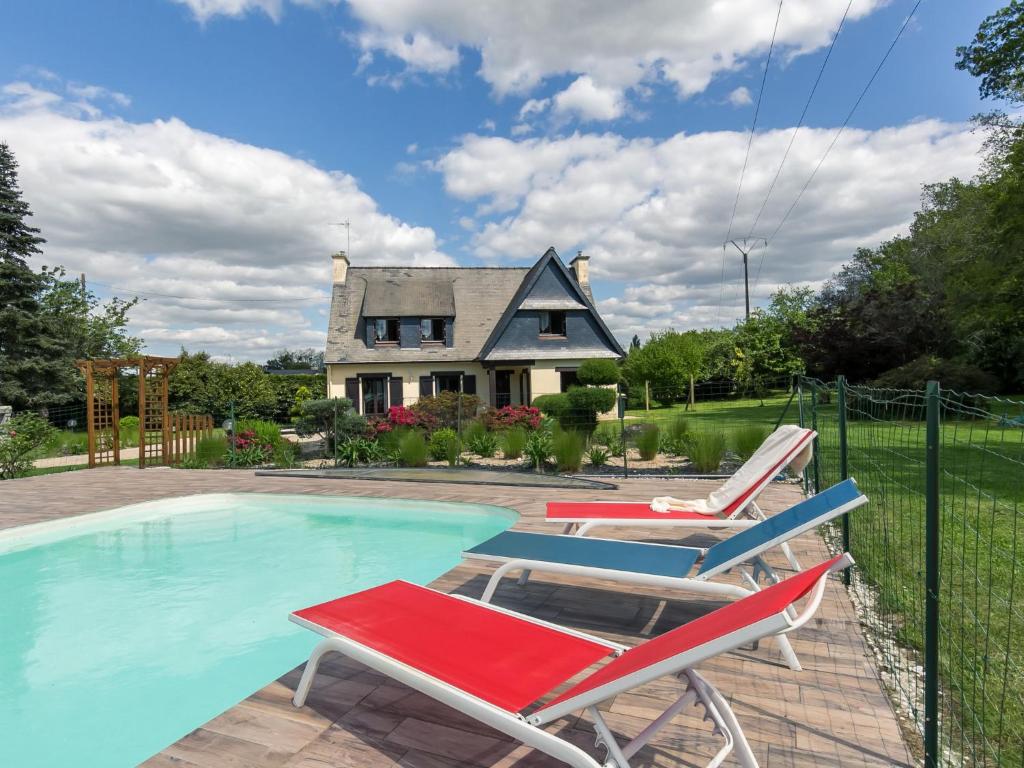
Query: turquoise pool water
[[123, 631]]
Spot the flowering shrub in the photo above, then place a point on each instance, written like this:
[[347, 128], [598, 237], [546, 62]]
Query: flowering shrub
[[400, 416], [510, 416], [249, 447], [20, 439], [377, 427], [445, 409]]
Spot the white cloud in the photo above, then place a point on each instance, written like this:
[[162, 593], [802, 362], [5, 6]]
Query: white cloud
[[203, 10], [488, 125], [616, 46], [740, 97], [412, 149], [163, 208], [588, 101], [653, 214]]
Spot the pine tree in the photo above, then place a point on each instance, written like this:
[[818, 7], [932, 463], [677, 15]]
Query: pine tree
[[34, 367]]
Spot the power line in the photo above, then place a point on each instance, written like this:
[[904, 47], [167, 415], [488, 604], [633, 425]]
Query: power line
[[800, 122], [753, 125], [846, 122], [746, 157]]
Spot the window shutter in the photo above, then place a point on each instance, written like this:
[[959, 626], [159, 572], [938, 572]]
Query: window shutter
[[371, 332], [426, 386], [469, 384], [395, 395], [352, 393], [449, 332]]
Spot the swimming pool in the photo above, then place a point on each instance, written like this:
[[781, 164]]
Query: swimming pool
[[122, 631]]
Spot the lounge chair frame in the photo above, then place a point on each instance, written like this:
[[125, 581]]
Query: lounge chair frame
[[527, 729]]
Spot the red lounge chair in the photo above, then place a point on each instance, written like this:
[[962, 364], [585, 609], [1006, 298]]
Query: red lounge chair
[[493, 664], [732, 506]]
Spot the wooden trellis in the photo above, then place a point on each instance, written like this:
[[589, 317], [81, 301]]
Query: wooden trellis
[[164, 438]]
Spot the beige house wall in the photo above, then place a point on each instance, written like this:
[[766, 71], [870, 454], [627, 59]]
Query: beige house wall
[[544, 377], [410, 373]]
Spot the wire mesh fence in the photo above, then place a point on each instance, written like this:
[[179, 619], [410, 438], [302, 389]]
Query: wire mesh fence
[[937, 554]]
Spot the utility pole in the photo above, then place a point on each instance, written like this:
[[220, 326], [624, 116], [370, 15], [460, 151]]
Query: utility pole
[[748, 244], [348, 235]]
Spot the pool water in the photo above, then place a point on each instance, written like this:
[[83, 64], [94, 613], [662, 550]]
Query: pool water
[[120, 632]]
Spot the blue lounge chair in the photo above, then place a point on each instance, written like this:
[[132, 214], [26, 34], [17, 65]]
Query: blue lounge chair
[[668, 565]]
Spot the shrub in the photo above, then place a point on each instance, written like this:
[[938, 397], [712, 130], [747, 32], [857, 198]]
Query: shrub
[[484, 444], [128, 424], [552, 405], [453, 450], [706, 450], [648, 441], [285, 455], [598, 372], [513, 441], [473, 430], [317, 417], [353, 451], [264, 432], [439, 442], [509, 416], [210, 451], [442, 410], [598, 456], [412, 449], [538, 448], [567, 447], [957, 374], [585, 403], [247, 452], [20, 439], [746, 440], [676, 436]]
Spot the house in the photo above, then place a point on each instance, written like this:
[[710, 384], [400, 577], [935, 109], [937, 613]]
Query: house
[[505, 334]]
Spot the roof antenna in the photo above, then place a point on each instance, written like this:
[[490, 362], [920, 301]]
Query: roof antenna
[[348, 234]]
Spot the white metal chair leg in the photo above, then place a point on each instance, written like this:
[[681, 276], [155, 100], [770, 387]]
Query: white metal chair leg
[[788, 552], [744, 754], [306, 681], [788, 653]]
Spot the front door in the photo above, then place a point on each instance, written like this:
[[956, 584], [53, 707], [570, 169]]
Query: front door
[[375, 396], [502, 388]]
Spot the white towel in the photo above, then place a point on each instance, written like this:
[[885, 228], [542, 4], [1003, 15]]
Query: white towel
[[773, 450]]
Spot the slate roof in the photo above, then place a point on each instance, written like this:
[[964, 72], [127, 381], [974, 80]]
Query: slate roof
[[481, 295], [482, 300]]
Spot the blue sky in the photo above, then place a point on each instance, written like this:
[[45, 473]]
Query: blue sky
[[407, 116]]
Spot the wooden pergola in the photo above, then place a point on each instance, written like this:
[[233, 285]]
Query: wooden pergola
[[103, 414]]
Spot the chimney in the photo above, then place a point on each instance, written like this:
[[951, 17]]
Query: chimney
[[340, 260], [581, 268]]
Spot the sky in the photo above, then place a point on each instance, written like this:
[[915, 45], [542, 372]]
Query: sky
[[201, 154]]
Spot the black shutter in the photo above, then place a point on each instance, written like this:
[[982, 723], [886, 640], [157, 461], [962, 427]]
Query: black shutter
[[449, 331], [395, 384], [426, 386], [469, 384], [352, 393]]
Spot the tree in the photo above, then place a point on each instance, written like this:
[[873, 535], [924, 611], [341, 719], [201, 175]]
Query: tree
[[88, 327], [20, 439], [761, 353], [35, 368], [307, 359], [996, 54], [598, 372], [666, 362]]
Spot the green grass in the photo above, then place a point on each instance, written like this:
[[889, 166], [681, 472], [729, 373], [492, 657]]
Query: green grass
[[721, 414], [981, 635]]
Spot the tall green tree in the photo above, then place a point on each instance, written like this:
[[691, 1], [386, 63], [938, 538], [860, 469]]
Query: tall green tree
[[996, 54], [89, 327], [35, 367]]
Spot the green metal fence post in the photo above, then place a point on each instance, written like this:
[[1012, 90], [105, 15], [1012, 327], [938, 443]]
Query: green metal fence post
[[814, 426], [931, 539], [844, 468], [234, 431], [622, 431], [335, 446]]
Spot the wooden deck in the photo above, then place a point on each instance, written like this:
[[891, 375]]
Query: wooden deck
[[834, 713]]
